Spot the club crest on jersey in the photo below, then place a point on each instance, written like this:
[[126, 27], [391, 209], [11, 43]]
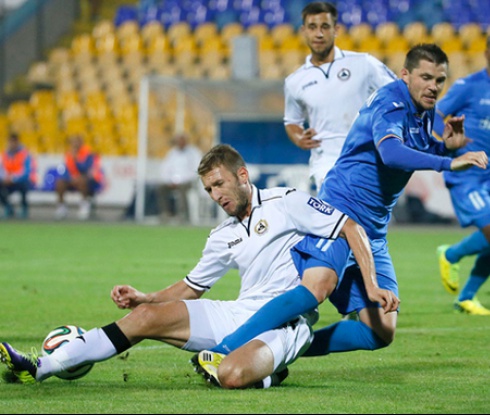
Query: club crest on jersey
[[261, 227], [321, 206], [344, 74]]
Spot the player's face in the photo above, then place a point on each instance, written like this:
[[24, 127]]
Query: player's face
[[319, 31], [232, 192], [425, 83]]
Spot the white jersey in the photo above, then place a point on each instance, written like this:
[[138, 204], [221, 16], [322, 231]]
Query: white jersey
[[328, 98], [259, 247]]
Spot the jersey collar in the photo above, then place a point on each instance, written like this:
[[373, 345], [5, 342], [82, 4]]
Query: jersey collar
[[337, 55]]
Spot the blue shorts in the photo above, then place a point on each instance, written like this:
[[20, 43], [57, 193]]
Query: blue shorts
[[350, 294], [471, 203]]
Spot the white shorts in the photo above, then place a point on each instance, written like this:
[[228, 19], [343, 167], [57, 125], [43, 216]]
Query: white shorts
[[211, 321]]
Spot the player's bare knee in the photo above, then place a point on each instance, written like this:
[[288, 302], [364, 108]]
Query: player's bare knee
[[231, 376]]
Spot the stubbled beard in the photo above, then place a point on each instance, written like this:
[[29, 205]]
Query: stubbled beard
[[241, 206]]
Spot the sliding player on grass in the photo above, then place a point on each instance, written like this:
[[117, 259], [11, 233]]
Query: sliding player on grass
[[257, 240]]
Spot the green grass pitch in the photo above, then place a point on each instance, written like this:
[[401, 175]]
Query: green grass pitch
[[54, 274]]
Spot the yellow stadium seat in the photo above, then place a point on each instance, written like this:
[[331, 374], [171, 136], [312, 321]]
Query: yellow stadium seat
[[160, 44], [127, 28], [150, 30], [386, 32], [443, 32], [42, 97], [476, 45], [179, 30], [19, 110], [345, 41], [83, 44], [131, 44], [359, 32], [470, 32], [370, 44], [289, 43], [107, 44], [230, 31], [416, 32], [397, 43], [281, 32], [260, 30], [205, 31], [102, 28], [39, 74]]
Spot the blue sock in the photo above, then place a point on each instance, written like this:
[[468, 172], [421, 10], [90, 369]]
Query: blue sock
[[275, 313], [479, 274], [344, 336], [472, 245]]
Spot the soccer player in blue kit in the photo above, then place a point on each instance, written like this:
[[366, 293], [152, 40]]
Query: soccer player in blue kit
[[470, 190], [389, 140]]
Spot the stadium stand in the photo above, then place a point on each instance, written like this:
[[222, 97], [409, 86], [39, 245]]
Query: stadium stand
[[192, 39]]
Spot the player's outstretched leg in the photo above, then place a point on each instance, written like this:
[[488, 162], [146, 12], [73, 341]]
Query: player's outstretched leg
[[22, 365], [449, 272]]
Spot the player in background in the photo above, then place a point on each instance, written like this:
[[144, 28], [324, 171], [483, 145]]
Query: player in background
[[327, 92], [470, 190], [18, 173], [257, 238], [389, 140], [82, 172]]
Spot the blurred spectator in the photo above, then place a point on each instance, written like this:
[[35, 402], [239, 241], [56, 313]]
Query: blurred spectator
[[17, 174], [81, 172], [179, 175]]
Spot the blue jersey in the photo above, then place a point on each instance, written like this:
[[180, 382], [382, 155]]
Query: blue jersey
[[469, 96], [360, 184]]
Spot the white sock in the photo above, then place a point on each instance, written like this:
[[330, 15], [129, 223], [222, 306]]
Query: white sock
[[267, 382], [94, 346]]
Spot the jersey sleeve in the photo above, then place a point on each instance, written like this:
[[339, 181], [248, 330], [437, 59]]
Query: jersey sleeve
[[388, 121], [314, 216], [380, 73], [212, 266], [293, 111]]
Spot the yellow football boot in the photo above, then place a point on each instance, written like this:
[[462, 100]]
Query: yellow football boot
[[472, 307], [449, 272]]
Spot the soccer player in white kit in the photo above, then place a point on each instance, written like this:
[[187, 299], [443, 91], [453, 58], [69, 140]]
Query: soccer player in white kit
[[326, 93], [257, 238]]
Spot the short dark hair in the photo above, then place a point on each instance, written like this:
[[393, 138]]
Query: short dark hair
[[221, 155], [318, 7], [425, 51]]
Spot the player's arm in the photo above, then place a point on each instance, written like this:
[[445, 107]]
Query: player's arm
[[361, 248], [301, 137], [125, 296]]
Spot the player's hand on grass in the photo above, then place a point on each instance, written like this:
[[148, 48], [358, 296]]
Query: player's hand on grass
[[470, 159], [386, 298], [125, 296]]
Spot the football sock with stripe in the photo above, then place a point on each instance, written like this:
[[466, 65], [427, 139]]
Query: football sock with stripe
[[344, 336], [472, 245], [479, 274], [275, 313], [93, 346]]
